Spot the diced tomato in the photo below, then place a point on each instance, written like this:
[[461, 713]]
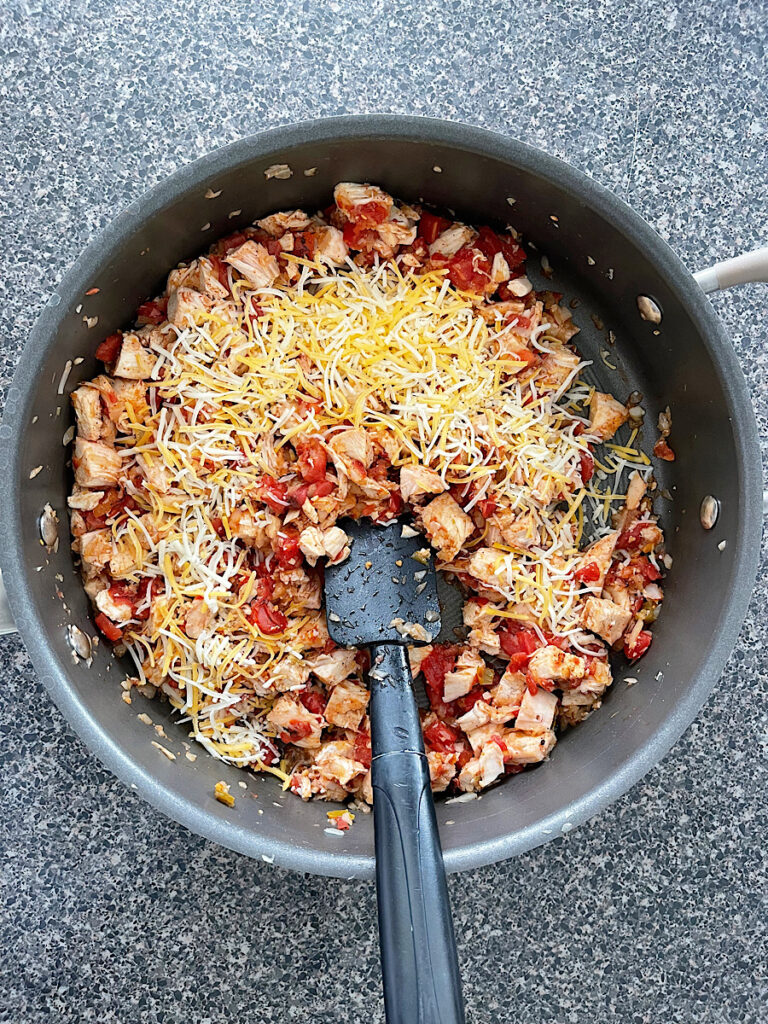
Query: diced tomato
[[487, 507], [468, 701], [631, 539], [639, 646], [265, 588], [321, 489], [273, 494], [267, 619], [469, 270], [233, 241], [441, 737], [359, 236], [94, 522], [637, 604], [108, 628], [532, 684], [518, 661], [220, 270], [218, 525], [368, 214], [298, 495], [586, 467], [268, 757], [121, 593], [297, 730], [153, 311], [288, 551], [313, 701], [440, 660], [519, 640], [392, 509], [647, 569], [430, 226], [312, 460], [362, 748], [148, 587], [513, 252], [662, 451], [304, 244], [589, 573], [488, 242], [109, 349]]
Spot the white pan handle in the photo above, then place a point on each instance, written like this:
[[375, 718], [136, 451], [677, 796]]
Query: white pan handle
[[744, 269], [7, 625]]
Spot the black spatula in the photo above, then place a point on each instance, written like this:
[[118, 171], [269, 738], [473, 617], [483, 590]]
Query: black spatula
[[378, 598]]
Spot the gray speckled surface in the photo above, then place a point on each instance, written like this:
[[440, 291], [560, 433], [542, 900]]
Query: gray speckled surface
[[652, 912]]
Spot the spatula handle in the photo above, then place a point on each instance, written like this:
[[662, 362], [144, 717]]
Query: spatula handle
[[418, 949]]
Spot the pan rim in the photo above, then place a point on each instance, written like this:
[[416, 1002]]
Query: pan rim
[[602, 202]]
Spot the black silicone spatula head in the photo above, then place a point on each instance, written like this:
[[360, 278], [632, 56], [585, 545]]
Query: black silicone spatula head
[[386, 591]]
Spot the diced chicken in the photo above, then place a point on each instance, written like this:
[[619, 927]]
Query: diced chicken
[[537, 711], [416, 481], [289, 220], [396, 230], [208, 280], [295, 723], [606, 415], [185, 305], [96, 465], [248, 527], [362, 203], [520, 286], [117, 611], [332, 543], [254, 262], [484, 637], [517, 530], [598, 554], [123, 560], [156, 474], [487, 565], [87, 403], [298, 587], [499, 270], [442, 769], [84, 501], [507, 696], [478, 715], [198, 619], [556, 367], [96, 548], [335, 667], [447, 525], [605, 618], [352, 445], [346, 705], [635, 491], [335, 760], [550, 664], [451, 240], [134, 362], [491, 764], [330, 246], [123, 393], [529, 748], [465, 675], [416, 655]]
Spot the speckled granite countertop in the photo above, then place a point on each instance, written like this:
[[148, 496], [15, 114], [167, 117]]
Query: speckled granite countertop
[[654, 910]]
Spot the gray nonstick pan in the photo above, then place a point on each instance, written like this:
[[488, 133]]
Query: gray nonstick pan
[[602, 254]]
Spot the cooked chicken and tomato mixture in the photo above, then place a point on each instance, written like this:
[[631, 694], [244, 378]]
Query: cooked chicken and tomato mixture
[[373, 359]]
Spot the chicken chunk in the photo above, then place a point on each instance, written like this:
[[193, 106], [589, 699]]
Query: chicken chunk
[[353, 445], [288, 674], [442, 769], [396, 230], [508, 694], [289, 220], [465, 675], [479, 714], [537, 711], [96, 548], [416, 655], [363, 204], [335, 667], [598, 557], [416, 481], [346, 705], [529, 747], [606, 415], [84, 500], [96, 465], [332, 543], [605, 618], [330, 246], [198, 619], [487, 565], [550, 664], [447, 525], [185, 306], [117, 611], [635, 491], [519, 531], [254, 262], [87, 403], [294, 723], [336, 761], [451, 240], [556, 367], [134, 362]]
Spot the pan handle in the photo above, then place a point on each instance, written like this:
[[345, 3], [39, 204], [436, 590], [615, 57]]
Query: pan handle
[[744, 269], [7, 625]]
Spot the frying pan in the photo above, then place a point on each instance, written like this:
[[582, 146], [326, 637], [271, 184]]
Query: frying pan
[[601, 253]]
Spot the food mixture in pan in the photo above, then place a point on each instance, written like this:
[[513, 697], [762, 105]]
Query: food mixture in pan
[[378, 360]]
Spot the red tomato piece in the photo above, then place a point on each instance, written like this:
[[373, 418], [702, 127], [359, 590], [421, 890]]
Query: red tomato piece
[[94, 522], [392, 509], [487, 507], [518, 661], [321, 489], [108, 628], [121, 593], [648, 569], [233, 241], [220, 270], [589, 573], [662, 451], [440, 660], [441, 737], [312, 460], [267, 619], [488, 242], [637, 648], [304, 244], [288, 551], [468, 701], [153, 311], [313, 701], [469, 270], [362, 748], [297, 730], [298, 495], [359, 236], [431, 226], [274, 494], [586, 467], [519, 640], [109, 349]]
